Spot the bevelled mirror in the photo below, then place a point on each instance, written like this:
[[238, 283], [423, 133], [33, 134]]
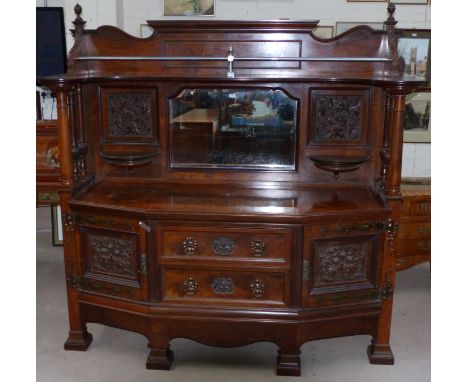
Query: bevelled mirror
[[233, 128]]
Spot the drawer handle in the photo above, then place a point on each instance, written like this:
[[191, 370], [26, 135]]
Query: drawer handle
[[424, 230], [145, 226], [223, 285], [190, 286], [189, 246], [257, 248], [223, 246], [257, 287]]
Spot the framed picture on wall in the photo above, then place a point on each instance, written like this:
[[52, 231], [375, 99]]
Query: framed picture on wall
[[412, 2], [323, 31], [415, 47], [57, 235], [189, 7], [145, 30], [343, 26], [418, 118]]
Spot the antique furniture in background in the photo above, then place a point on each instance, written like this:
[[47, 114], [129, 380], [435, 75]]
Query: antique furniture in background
[[414, 246], [232, 182], [47, 163]]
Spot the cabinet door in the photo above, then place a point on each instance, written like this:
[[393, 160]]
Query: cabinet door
[[112, 256], [341, 263]]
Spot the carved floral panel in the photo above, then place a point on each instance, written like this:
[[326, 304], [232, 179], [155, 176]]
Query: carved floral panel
[[341, 262], [129, 114], [112, 255], [338, 117]]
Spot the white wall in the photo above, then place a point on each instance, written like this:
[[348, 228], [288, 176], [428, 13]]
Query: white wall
[[130, 14]]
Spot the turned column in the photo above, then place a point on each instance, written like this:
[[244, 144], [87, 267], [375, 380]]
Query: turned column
[[79, 338], [379, 351]]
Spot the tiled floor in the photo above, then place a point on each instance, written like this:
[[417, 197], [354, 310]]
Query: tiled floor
[[116, 355]]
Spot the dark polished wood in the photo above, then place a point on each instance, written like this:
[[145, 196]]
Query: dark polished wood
[[230, 255]]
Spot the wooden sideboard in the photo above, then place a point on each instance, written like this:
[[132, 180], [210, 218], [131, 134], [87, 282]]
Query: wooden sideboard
[[414, 246], [274, 218]]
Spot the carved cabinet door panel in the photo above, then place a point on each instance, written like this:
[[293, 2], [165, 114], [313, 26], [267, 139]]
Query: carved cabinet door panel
[[341, 263], [113, 257]]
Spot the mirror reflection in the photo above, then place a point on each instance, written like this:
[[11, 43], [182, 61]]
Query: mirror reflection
[[233, 128]]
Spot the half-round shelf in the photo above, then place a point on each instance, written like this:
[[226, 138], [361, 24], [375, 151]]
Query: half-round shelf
[[337, 164]]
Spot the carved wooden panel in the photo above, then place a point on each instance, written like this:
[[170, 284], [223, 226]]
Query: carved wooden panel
[[341, 262], [113, 259], [338, 117], [129, 114], [112, 255], [341, 265]]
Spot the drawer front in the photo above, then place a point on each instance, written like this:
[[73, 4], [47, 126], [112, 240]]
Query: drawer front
[[113, 258], [420, 207], [225, 287], [415, 230], [414, 247], [188, 242]]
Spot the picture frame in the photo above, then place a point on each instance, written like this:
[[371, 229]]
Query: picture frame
[[410, 2], [418, 118], [57, 234], [414, 45], [324, 31], [189, 8], [343, 26], [146, 31]]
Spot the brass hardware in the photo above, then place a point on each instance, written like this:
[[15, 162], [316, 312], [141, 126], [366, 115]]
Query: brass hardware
[[73, 280], [189, 246], [223, 246], [223, 285], [387, 291], [257, 287], [143, 264], [257, 247], [68, 222], [145, 226], [391, 228], [190, 286], [305, 270]]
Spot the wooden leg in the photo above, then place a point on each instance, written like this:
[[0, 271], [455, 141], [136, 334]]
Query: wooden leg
[[380, 354], [160, 358], [78, 340], [288, 362]]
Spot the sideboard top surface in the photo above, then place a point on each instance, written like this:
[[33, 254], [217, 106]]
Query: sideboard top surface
[[160, 198]]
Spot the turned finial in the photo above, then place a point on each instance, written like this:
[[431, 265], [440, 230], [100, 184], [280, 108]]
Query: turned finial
[[79, 23], [391, 22]]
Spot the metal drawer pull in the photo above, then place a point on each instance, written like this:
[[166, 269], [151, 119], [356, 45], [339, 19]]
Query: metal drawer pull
[[257, 247], [223, 285], [189, 246], [145, 226], [223, 246], [190, 286], [257, 287]]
